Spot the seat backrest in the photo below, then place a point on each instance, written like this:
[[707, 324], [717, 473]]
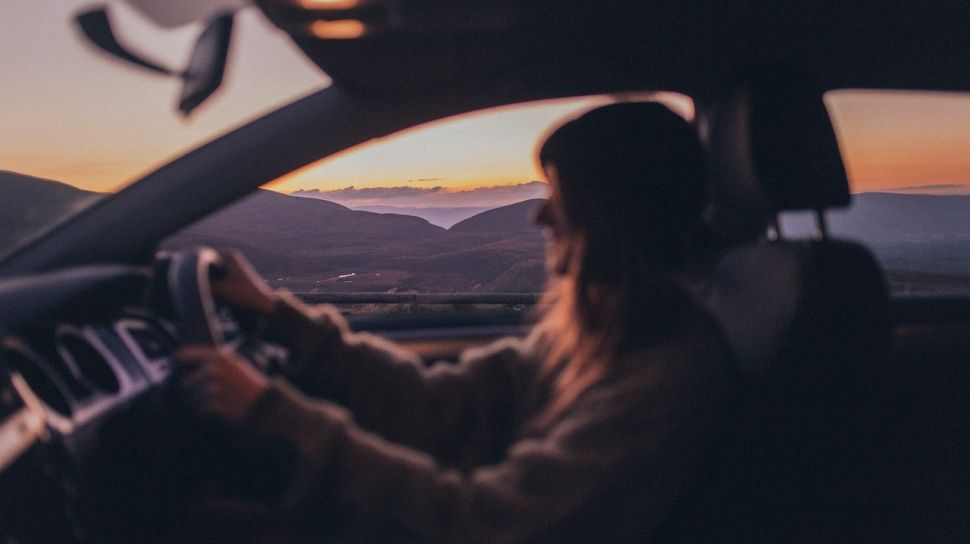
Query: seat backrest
[[806, 320], [773, 150]]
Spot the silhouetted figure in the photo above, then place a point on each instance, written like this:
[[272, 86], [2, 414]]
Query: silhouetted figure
[[585, 431]]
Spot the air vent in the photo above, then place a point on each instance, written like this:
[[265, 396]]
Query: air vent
[[153, 343], [43, 381], [89, 365]]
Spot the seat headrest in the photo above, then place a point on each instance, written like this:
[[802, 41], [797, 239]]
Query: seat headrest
[[773, 147], [810, 304]]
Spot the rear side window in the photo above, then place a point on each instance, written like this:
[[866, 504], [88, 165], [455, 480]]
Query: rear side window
[[907, 155]]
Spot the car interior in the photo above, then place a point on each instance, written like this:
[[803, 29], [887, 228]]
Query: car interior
[[854, 419]]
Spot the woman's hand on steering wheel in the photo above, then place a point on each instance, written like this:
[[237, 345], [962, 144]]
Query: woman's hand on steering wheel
[[218, 383], [239, 285], [214, 378]]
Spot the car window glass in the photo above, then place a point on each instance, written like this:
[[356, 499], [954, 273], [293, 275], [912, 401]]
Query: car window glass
[[907, 155], [441, 209]]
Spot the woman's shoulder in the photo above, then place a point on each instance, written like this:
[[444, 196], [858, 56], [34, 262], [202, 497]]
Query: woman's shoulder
[[693, 353]]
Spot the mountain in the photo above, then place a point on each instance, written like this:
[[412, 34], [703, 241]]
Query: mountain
[[430, 197], [284, 235], [313, 244], [906, 232], [306, 244], [515, 219], [267, 213], [30, 205], [310, 244], [891, 217], [440, 216], [878, 217], [920, 239]]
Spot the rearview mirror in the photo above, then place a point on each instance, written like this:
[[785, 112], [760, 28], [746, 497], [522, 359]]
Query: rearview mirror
[[203, 75], [206, 67], [96, 27]]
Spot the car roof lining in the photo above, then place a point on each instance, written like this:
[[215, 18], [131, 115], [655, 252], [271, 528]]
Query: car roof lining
[[688, 46]]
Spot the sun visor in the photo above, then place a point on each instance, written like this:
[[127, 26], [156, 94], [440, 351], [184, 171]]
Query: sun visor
[[773, 146]]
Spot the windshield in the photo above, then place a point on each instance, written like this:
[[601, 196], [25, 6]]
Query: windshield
[[76, 125]]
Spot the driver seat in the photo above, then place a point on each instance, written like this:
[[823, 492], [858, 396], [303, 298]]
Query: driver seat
[[807, 321]]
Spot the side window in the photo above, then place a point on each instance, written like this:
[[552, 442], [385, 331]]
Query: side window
[[439, 214], [907, 155]]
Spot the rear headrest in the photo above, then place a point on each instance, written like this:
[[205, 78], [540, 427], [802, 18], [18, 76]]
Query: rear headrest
[[773, 147]]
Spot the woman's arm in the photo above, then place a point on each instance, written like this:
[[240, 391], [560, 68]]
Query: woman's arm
[[639, 435], [387, 388], [390, 391]]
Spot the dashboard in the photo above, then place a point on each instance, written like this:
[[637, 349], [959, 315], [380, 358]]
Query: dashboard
[[86, 345], [80, 370], [94, 445], [84, 357]]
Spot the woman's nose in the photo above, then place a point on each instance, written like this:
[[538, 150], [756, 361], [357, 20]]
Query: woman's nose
[[543, 215]]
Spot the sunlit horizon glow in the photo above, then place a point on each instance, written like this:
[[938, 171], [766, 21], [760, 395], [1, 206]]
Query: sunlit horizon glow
[[490, 148], [901, 140], [328, 4]]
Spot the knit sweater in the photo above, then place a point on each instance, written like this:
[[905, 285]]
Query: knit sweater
[[449, 452]]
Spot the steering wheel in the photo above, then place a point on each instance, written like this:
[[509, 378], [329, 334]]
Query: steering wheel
[[198, 316], [189, 275]]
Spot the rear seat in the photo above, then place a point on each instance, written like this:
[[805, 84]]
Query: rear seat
[[807, 322]]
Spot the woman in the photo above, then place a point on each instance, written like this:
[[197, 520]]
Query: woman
[[586, 430]]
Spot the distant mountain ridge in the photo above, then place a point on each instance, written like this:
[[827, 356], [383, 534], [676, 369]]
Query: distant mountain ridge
[[926, 233], [307, 244], [312, 244], [29, 205], [410, 196], [894, 217], [440, 216]]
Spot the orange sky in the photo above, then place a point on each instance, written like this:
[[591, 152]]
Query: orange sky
[[70, 114], [494, 147], [897, 140], [890, 141]]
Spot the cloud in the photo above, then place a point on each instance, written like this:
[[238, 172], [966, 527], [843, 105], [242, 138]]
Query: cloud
[[430, 197], [368, 193], [934, 187]]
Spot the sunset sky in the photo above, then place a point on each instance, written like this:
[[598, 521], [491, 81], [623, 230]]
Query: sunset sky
[[901, 141], [70, 114]]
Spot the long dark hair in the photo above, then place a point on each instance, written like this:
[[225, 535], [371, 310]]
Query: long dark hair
[[632, 187]]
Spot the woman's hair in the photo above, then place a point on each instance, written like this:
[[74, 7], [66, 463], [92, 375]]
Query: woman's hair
[[632, 186]]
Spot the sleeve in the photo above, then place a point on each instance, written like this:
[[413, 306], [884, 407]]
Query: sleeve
[[389, 390], [641, 424]]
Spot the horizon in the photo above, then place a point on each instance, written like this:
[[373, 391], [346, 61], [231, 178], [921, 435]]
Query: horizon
[[338, 195]]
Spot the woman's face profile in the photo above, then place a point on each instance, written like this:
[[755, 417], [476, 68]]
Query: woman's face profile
[[551, 217]]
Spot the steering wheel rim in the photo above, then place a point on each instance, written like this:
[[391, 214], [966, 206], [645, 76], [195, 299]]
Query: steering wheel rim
[[189, 273]]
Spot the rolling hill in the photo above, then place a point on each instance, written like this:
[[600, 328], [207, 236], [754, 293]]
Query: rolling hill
[[906, 232], [441, 216], [891, 217], [30, 205], [315, 245], [312, 244], [512, 219]]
